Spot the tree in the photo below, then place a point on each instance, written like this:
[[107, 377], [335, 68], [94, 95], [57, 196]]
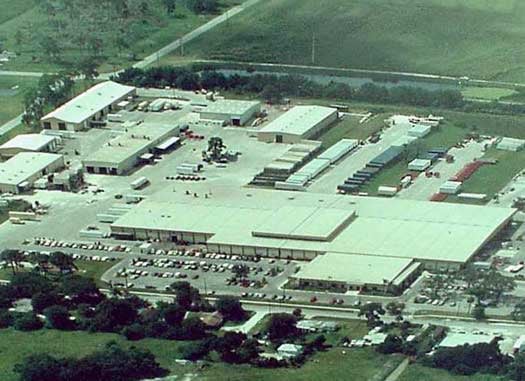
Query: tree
[[193, 328], [170, 6], [42, 300], [39, 367], [392, 344], [519, 311], [241, 271], [27, 322], [25, 285], [395, 308], [271, 94], [82, 290], [173, 313], [58, 317], [372, 312], [230, 307], [479, 312], [195, 350], [113, 314], [185, 294], [63, 262], [282, 326], [6, 319], [517, 368], [134, 332], [215, 149], [6, 297], [12, 257]]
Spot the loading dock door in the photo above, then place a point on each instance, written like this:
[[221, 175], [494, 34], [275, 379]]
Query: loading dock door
[[236, 121], [278, 138]]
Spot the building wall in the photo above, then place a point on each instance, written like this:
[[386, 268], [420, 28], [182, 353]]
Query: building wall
[[229, 117]]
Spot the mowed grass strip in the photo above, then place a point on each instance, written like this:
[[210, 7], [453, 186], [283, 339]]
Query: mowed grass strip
[[416, 372], [475, 38], [14, 8]]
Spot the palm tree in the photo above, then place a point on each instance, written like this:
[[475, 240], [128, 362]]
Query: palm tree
[[13, 257], [62, 261]]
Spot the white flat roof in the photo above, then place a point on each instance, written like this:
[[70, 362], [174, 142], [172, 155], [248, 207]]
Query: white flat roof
[[298, 120], [130, 143], [24, 165], [382, 227], [29, 142], [455, 339], [87, 104], [354, 269]]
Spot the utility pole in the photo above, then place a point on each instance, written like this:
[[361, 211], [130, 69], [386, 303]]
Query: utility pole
[[313, 48]]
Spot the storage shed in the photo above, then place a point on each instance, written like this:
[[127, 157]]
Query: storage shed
[[419, 165], [234, 112], [29, 143], [301, 122]]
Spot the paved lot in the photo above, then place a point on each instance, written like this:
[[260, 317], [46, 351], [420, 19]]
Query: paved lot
[[328, 182], [424, 187]]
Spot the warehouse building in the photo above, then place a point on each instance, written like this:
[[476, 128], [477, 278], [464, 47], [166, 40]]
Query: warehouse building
[[91, 106], [304, 225], [21, 171], [344, 272], [234, 112], [124, 152], [300, 122], [29, 143]]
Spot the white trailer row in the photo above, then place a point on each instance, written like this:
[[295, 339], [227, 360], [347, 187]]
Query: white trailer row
[[339, 150]]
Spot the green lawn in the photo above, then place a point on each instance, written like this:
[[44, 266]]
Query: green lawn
[[444, 136], [476, 38], [157, 30], [336, 364], [15, 345], [416, 372], [490, 179], [94, 270], [350, 128], [11, 100], [487, 93], [12, 9]]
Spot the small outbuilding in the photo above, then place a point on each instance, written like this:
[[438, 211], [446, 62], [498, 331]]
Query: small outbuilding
[[419, 165], [290, 350]]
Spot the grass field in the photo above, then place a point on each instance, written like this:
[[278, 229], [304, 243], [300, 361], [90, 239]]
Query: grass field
[[476, 38], [418, 372], [350, 128], [490, 179], [12, 100], [358, 364], [488, 93], [157, 31], [15, 345]]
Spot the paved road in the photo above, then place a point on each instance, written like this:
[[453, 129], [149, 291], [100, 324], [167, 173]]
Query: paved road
[[194, 34], [4, 129], [398, 371]]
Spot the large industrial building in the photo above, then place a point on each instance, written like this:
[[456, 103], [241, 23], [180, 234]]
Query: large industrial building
[[343, 272], [303, 226], [92, 105], [21, 171], [300, 122], [234, 112], [121, 154], [29, 143]]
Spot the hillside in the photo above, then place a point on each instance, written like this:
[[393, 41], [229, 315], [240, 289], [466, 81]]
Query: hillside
[[476, 38]]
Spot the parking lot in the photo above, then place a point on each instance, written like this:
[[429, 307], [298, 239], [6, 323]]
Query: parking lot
[[210, 272], [422, 187]]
